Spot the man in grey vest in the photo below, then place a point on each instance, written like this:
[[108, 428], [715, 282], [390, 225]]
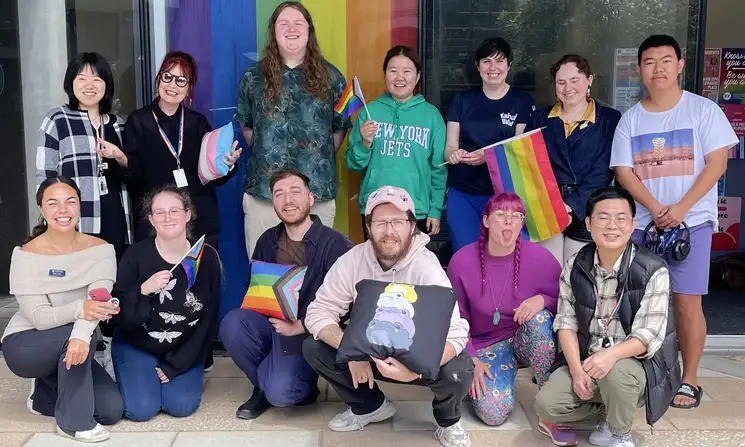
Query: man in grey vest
[[616, 328]]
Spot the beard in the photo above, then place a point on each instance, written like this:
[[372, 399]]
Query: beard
[[302, 214], [391, 254]]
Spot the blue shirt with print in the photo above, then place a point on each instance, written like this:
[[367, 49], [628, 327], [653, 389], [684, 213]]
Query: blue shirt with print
[[484, 121]]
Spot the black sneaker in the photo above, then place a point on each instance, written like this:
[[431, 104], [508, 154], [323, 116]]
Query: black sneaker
[[209, 363], [254, 407]]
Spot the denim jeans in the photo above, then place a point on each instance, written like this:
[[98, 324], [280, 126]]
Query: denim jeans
[[143, 393]]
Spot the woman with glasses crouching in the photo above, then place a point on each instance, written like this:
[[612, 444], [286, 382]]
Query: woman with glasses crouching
[[508, 290]]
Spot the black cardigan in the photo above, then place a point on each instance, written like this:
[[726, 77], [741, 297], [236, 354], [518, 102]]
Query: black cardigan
[[151, 164]]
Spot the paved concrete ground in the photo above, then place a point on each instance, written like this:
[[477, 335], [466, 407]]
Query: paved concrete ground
[[719, 421]]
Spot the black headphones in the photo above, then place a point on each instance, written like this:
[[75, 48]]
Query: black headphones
[[677, 240]]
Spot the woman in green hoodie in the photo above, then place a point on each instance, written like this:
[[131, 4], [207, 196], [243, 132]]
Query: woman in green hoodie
[[402, 141]]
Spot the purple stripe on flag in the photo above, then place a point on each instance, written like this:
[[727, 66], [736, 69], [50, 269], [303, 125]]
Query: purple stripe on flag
[[189, 30]]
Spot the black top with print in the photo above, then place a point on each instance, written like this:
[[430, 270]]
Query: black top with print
[[175, 323]]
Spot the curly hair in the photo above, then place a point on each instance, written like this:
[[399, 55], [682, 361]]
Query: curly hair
[[508, 201], [317, 79]]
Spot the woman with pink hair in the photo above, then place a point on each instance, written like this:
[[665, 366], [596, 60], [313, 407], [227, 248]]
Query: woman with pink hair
[[507, 290]]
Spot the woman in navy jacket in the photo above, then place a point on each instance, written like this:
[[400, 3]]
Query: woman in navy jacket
[[579, 132]]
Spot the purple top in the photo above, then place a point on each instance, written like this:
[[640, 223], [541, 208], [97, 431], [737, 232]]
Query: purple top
[[539, 274]]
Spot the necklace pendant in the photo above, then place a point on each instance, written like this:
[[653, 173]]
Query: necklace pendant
[[496, 318]]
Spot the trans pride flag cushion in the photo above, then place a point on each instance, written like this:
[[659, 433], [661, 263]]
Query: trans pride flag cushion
[[215, 146], [274, 290]]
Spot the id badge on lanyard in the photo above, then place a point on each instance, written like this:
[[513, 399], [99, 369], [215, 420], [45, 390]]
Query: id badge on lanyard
[[606, 341], [103, 187], [179, 176]]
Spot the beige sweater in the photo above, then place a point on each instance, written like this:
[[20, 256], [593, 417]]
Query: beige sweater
[[419, 267], [47, 300]]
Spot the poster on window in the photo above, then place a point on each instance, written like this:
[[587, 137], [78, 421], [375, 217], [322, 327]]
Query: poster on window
[[627, 84], [732, 76], [727, 236], [712, 70]]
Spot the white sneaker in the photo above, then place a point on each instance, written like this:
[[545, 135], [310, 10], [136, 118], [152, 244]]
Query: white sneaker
[[602, 435], [348, 421], [453, 436], [96, 434], [623, 441], [30, 399], [107, 362]]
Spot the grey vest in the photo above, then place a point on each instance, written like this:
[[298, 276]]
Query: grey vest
[[663, 371]]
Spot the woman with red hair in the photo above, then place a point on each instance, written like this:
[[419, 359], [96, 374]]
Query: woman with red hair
[[507, 290], [165, 137]]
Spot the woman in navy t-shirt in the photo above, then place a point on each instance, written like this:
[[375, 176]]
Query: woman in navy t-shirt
[[478, 118]]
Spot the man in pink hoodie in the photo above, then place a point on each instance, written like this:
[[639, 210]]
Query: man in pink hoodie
[[396, 251]]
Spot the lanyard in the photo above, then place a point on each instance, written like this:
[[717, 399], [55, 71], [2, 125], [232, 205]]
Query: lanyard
[[604, 322], [99, 136], [176, 154]]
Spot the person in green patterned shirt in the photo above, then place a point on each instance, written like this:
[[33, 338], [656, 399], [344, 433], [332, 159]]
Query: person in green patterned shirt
[[286, 108]]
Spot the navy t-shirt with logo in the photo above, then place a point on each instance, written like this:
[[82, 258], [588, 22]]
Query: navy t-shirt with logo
[[484, 121]]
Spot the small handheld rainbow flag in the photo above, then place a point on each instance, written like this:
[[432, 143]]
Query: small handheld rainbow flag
[[521, 165], [351, 100], [190, 262]]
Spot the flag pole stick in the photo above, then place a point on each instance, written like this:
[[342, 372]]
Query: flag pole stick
[[508, 140], [185, 254]]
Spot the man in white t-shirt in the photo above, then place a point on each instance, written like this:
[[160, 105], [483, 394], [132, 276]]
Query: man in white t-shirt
[[669, 151]]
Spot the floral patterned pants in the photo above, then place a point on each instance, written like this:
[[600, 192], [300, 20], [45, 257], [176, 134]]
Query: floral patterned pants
[[533, 345]]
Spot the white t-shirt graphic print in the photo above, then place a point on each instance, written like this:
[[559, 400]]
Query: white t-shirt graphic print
[[667, 150]]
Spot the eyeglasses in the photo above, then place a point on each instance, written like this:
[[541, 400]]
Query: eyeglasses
[[167, 77], [173, 213], [501, 216], [382, 225], [604, 220]]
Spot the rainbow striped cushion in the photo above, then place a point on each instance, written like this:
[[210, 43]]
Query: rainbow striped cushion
[[274, 290], [215, 146]]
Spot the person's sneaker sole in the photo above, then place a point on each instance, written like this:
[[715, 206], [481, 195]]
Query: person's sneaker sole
[[30, 400], [545, 431], [104, 436], [385, 414]]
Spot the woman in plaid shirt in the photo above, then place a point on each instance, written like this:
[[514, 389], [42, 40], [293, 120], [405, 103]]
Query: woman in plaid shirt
[[82, 140]]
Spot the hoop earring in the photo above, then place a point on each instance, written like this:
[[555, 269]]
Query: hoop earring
[[188, 100]]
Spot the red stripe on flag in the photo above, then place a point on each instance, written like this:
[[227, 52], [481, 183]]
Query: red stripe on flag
[[493, 165], [549, 180]]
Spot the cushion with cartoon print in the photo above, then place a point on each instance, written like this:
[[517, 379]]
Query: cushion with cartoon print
[[407, 322]]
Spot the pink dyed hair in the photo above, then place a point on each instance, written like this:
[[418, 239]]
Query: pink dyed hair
[[507, 201]]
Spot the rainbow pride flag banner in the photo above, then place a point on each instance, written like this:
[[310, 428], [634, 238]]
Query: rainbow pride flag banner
[[521, 165], [351, 100], [191, 260]]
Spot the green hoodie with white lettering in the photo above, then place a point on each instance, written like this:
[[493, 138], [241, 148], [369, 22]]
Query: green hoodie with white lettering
[[407, 149]]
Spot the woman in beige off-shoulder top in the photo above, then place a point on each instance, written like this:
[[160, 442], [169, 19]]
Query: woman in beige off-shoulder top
[[51, 338]]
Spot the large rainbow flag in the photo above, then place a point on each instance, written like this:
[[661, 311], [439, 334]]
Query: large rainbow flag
[[228, 36], [521, 165]]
